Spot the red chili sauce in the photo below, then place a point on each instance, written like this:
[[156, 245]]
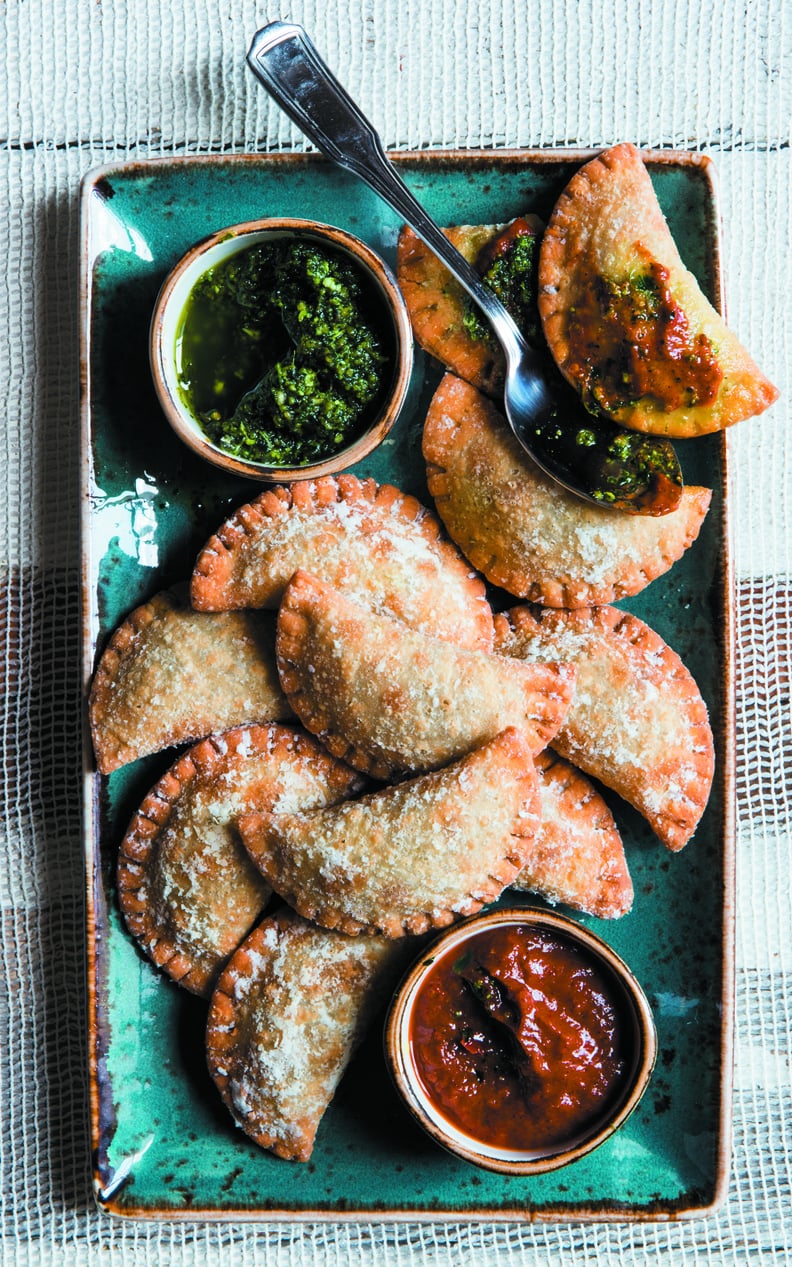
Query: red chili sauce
[[631, 339], [518, 1039]]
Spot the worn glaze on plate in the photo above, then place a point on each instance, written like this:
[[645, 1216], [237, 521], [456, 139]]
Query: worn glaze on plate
[[164, 1145]]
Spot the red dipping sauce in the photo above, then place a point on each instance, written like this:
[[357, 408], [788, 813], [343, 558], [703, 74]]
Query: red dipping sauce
[[520, 1039]]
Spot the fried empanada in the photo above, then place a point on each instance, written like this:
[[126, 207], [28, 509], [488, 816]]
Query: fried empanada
[[525, 532], [375, 543], [637, 721], [391, 701], [170, 674], [411, 857], [188, 890], [577, 855], [286, 1016], [625, 320], [436, 303]]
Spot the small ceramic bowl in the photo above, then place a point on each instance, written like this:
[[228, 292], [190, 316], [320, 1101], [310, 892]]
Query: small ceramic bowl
[[636, 1025], [166, 323]]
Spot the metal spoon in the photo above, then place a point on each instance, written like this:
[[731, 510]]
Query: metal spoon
[[283, 58]]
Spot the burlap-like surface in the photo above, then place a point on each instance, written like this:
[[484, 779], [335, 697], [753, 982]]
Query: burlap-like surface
[[88, 81]]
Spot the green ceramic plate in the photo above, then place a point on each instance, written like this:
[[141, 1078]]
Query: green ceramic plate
[[164, 1145]]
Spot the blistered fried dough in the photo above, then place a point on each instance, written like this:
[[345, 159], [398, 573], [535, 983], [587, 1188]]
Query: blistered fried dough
[[577, 855], [170, 674], [637, 720], [188, 890], [377, 544], [626, 321], [411, 857], [285, 1018], [436, 304], [391, 701], [522, 530]]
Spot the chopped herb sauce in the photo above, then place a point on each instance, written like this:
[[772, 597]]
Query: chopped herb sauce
[[282, 353], [508, 265], [625, 470]]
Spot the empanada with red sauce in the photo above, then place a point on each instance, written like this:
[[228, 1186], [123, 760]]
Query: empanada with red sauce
[[370, 540], [391, 701], [626, 321], [577, 856], [637, 721], [411, 857], [186, 887], [287, 1014], [170, 674], [525, 532]]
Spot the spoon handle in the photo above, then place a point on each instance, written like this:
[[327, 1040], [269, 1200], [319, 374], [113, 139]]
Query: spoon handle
[[284, 59]]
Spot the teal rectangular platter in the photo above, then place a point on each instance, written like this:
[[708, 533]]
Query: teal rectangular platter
[[164, 1146]]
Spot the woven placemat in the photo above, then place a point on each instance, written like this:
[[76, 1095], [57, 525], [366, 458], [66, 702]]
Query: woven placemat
[[89, 81]]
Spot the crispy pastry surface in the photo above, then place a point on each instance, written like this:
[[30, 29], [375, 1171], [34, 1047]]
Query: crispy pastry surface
[[170, 674], [526, 533], [637, 721], [436, 304], [577, 855], [187, 888], [607, 225], [411, 857], [284, 1020], [379, 545], [392, 701]]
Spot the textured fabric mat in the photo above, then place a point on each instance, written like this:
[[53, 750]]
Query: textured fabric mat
[[87, 81]]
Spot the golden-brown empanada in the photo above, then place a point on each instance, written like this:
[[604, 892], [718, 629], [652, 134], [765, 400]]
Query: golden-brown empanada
[[626, 321], [411, 857], [522, 530], [188, 890], [377, 544], [637, 720], [286, 1016], [170, 674], [392, 701], [577, 855], [436, 303]]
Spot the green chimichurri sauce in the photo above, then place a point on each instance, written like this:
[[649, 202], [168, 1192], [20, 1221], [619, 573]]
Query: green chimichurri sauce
[[509, 266], [626, 470], [281, 353]]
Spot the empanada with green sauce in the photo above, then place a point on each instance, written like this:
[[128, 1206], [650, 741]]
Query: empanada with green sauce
[[525, 532], [186, 887], [437, 305], [391, 701], [626, 321], [287, 1014], [411, 857], [637, 721]]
